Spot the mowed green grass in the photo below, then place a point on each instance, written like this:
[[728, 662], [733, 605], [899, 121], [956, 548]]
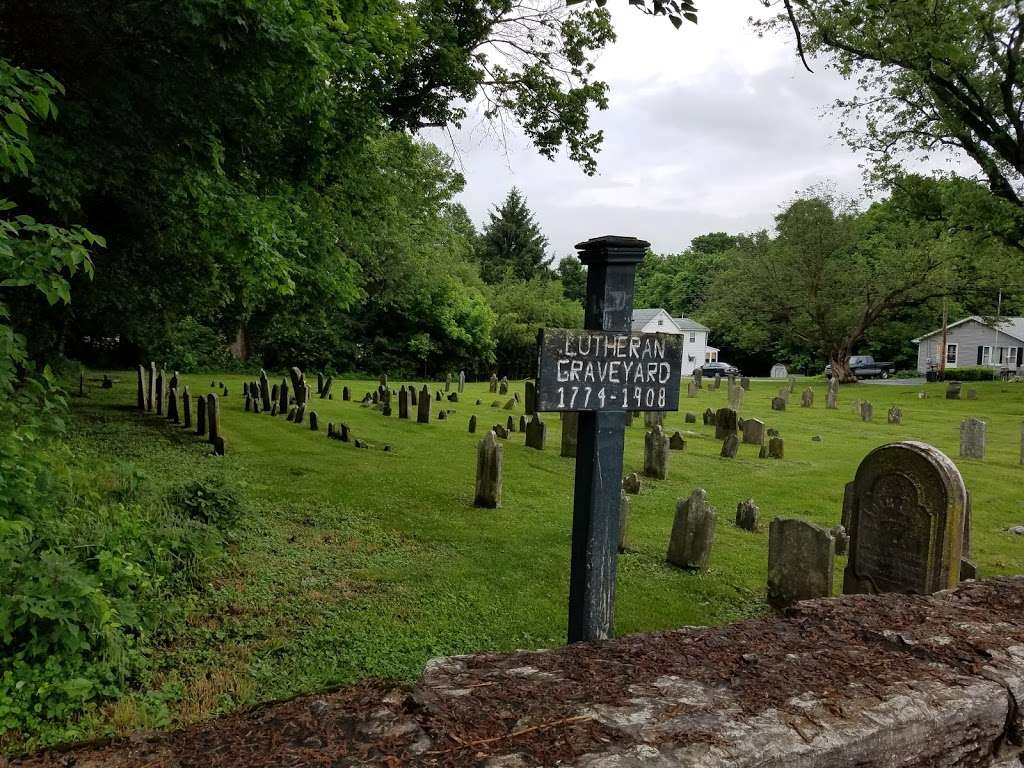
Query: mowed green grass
[[364, 563]]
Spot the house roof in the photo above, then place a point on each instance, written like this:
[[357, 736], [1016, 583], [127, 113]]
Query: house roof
[[1009, 326], [641, 317]]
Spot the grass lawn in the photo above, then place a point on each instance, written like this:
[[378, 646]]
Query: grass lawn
[[364, 563]]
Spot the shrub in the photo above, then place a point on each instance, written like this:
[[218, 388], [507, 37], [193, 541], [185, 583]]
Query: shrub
[[970, 374], [209, 502]]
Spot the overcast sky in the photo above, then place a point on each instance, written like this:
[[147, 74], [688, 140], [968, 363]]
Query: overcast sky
[[708, 128]]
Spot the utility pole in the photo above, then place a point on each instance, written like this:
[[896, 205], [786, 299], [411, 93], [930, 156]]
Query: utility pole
[[945, 337]]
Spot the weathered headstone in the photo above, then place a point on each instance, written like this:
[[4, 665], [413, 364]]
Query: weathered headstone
[[972, 438], [472, 423], [200, 415], [745, 383], [725, 423], [717, 381], [423, 407], [522, 424], [693, 532], [503, 386], [248, 403], [292, 411], [709, 418], [904, 512], [698, 378], [735, 397], [691, 388], [631, 483], [403, 403], [953, 389], [319, 383], [443, 414], [841, 538], [172, 406], [867, 411], [140, 401], [800, 562], [282, 402], [690, 418], [346, 394], [186, 408], [624, 514], [493, 386], [536, 433], [676, 442], [500, 431], [510, 405], [448, 382], [776, 448], [895, 415], [654, 419], [300, 414], [753, 431], [972, 394], [510, 425], [213, 417], [570, 428], [778, 404], [325, 391], [656, 453], [264, 391], [489, 461], [314, 424], [778, 371], [345, 433], [832, 396], [747, 513], [160, 392], [151, 387], [807, 398], [462, 381], [414, 396], [784, 394]]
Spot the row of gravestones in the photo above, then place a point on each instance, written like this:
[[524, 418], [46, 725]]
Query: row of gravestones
[[154, 390], [906, 527]]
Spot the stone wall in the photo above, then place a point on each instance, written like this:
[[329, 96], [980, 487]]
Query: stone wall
[[862, 680]]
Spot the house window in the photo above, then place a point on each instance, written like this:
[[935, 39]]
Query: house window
[[693, 337], [660, 322], [1011, 357], [986, 355], [951, 354]]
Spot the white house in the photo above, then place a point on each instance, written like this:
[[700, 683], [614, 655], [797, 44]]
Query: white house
[[695, 336], [974, 342]]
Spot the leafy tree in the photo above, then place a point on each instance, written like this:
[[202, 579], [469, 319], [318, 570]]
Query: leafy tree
[[830, 276], [512, 244], [679, 283], [522, 308], [934, 77], [574, 278]]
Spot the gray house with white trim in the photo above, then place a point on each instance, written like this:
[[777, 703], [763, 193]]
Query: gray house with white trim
[[974, 342]]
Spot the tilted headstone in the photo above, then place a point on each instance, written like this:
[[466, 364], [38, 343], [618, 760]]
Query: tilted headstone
[[972, 438], [403, 403], [300, 414], [800, 562], [953, 389], [656, 453], [325, 390], [345, 433], [725, 423], [500, 431], [747, 513], [256, 405], [160, 393], [172, 406], [453, 397], [140, 401], [745, 383], [753, 431], [631, 483], [730, 447], [776, 448], [904, 512], [570, 425], [895, 415], [423, 406], [489, 460], [213, 417], [510, 405], [624, 513], [867, 411], [807, 398], [536, 433], [693, 532], [676, 442]]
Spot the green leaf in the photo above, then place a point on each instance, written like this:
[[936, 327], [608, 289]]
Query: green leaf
[[16, 124]]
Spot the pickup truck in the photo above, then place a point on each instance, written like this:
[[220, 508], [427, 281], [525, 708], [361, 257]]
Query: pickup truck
[[865, 367]]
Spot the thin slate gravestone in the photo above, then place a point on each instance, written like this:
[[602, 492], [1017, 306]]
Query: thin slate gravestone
[[151, 387], [530, 398], [730, 447], [536, 433], [319, 383], [570, 425], [972, 438], [172, 405], [448, 382], [200, 415], [904, 512], [462, 381], [656, 453], [313, 424], [488, 472], [325, 390], [346, 394], [423, 406], [717, 381], [510, 425], [522, 424], [264, 391], [403, 403], [141, 394], [867, 411], [160, 393], [753, 431], [413, 396], [747, 513], [832, 396], [725, 423], [300, 414], [282, 402], [800, 562], [693, 532], [213, 417], [472, 424], [186, 408]]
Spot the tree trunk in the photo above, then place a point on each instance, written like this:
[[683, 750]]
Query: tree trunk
[[840, 362]]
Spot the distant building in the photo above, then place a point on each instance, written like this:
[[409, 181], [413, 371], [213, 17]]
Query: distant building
[[695, 335], [974, 342]]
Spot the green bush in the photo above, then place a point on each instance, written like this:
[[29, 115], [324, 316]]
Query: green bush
[[970, 374], [209, 502], [188, 345]]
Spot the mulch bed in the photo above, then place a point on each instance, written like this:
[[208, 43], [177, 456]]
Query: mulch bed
[[820, 648]]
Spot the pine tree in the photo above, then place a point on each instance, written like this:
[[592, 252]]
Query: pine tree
[[512, 243]]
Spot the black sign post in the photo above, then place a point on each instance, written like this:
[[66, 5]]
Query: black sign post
[[611, 268]]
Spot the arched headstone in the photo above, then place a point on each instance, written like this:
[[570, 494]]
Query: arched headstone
[[779, 371]]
